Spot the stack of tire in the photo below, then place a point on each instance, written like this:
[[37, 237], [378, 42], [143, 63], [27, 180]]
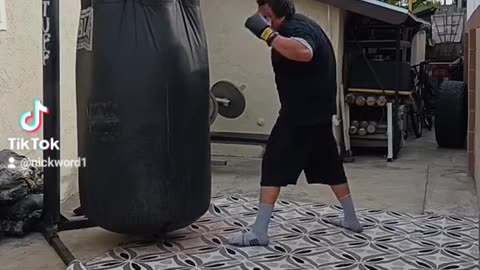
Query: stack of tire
[[451, 117], [21, 197]]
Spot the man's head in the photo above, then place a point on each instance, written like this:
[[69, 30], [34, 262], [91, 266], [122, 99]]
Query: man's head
[[276, 11]]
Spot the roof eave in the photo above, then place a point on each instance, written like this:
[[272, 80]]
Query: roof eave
[[377, 10]]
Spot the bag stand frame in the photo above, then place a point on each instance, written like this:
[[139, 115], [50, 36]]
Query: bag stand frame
[[52, 219]]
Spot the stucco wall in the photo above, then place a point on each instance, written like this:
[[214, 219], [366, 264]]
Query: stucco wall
[[476, 96], [21, 76], [471, 6], [3, 22], [236, 55], [473, 80]]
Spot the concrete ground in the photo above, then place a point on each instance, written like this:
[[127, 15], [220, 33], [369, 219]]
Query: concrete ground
[[424, 179]]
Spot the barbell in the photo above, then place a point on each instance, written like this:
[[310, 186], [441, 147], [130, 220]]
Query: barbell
[[371, 101], [226, 99]]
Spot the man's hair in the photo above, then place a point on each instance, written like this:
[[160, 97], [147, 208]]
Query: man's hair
[[281, 8]]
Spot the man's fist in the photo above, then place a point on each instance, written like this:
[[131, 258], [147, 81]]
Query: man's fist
[[259, 26]]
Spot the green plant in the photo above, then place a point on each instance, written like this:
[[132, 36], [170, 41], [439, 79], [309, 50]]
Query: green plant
[[417, 4]]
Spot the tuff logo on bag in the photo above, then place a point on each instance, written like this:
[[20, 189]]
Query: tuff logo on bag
[[85, 30], [46, 31]]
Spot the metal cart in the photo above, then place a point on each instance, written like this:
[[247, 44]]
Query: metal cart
[[383, 98]]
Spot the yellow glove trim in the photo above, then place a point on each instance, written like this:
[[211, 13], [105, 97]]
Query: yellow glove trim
[[266, 34]]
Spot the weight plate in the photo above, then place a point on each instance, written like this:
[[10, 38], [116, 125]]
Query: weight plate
[[227, 91], [212, 108]]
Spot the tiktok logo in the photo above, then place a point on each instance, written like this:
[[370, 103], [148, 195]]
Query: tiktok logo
[[36, 115]]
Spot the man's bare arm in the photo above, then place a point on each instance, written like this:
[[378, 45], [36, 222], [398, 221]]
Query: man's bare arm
[[292, 49]]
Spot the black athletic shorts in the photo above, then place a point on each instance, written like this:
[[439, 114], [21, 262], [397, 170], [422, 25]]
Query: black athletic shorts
[[293, 149]]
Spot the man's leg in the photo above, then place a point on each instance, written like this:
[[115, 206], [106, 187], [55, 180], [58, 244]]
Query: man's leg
[[349, 221], [258, 236], [282, 164], [325, 167]]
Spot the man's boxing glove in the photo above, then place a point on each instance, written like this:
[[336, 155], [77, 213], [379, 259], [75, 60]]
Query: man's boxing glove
[[260, 27]]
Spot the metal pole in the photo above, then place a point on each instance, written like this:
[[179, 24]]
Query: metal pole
[[397, 65], [51, 99], [389, 132]]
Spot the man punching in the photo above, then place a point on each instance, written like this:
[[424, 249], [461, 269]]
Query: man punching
[[302, 138]]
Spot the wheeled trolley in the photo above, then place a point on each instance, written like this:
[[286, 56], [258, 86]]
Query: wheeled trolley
[[381, 98]]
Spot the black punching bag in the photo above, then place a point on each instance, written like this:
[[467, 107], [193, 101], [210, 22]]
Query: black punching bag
[[142, 106]]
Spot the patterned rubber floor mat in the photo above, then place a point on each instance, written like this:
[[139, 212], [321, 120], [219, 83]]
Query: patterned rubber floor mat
[[301, 240]]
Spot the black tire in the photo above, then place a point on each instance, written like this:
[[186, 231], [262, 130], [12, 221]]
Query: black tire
[[429, 103], [451, 115], [406, 127], [397, 135], [416, 109], [428, 121], [416, 119]]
